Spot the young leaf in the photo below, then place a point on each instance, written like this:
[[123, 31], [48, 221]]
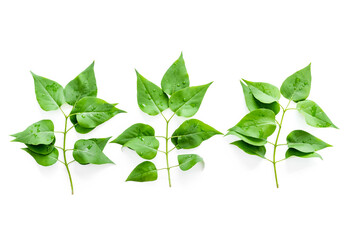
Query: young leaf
[[187, 161], [144, 172], [88, 151], [250, 140], [297, 86], [295, 153], [84, 85], [192, 133], [44, 160], [314, 115], [259, 123], [146, 146], [91, 112], [151, 99], [176, 77], [305, 142], [136, 130], [250, 149], [43, 149], [264, 92], [79, 128], [41, 132], [186, 102], [49, 94]]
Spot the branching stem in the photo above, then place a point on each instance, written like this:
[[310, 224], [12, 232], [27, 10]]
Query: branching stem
[[64, 152]]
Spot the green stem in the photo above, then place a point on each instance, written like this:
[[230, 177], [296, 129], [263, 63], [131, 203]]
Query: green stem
[[64, 153], [167, 151]]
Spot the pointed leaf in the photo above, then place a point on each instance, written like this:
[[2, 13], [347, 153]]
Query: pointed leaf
[[100, 142], [43, 149], [41, 132], [136, 130], [44, 160], [250, 149], [305, 142], [250, 140], [314, 115], [297, 86], [144, 172], [87, 151], [187, 161], [264, 92], [295, 153], [146, 146]]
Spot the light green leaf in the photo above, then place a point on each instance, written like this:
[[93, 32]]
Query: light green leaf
[[84, 85], [250, 149], [88, 151], [314, 115], [43, 149], [176, 77], [250, 140], [151, 99], [100, 142], [297, 86], [44, 160], [49, 94], [41, 132], [146, 146], [136, 130], [192, 133], [187, 161], [264, 92], [144, 172], [305, 142], [186, 102], [79, 128], [295, 153]]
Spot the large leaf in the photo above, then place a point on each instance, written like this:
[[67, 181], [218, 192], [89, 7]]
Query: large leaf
[[146, 146], [250, 149], [252, 103], [305, 142], [43, 149], [192, 133], [151, 99], [44, 160], [295, 153], [235, 131], [136, 130], [314, 115], [144, 172], [187, 161], [88, 151], [176, 77], [49, 94], [264, 92], [297, 86], [186, 102], [259, 123], [91, 112], [41, 132], [84, 85]]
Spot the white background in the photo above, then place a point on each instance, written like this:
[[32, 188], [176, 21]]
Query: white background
[[234, 196]]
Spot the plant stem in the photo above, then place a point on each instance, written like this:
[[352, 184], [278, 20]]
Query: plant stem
[[167, 151], [64, 153]]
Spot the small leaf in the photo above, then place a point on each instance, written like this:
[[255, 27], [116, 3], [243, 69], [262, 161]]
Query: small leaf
[[187, 161], [136, 130], [146, 147], [144, 172], [44, 160], [88, 151], [176, 77], [79, 128], [49, 94], [259, 123], [314, 115], [305, 142], [186, 102], [297, 86], [43, 149], [264, 92], [84, 85], [41, 132], [250, 149], [250, 140], [151, 99], [100, 142], [192, 133], [295, 153]]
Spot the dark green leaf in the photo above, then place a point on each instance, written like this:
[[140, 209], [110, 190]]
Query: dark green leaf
[[42, 149], [250, 149], [305, 142], [295, 153], [264, 92], [314, 115], [144, 172], [297, 86], [145, 146], [41, 132], [250, 140], [44, 160], [136, 130], [88, 151], [187, 161]]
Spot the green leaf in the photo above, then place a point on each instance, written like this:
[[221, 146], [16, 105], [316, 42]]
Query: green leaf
[[314, 115], [145, 146], [49, 94], [84, 85], [176, 77], [44, 160], [250, 149], [144, 172], [41, 132], [305, 142], [259, 123], [187, 161], [43, 149], [91, 112], [88, 151], [264, 92], [192, 133], [151, 99], [100, 142], [295, 153], [79, 128], [297, 86], [250, 140], [136, 130], [186, 102], [252, 103]]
